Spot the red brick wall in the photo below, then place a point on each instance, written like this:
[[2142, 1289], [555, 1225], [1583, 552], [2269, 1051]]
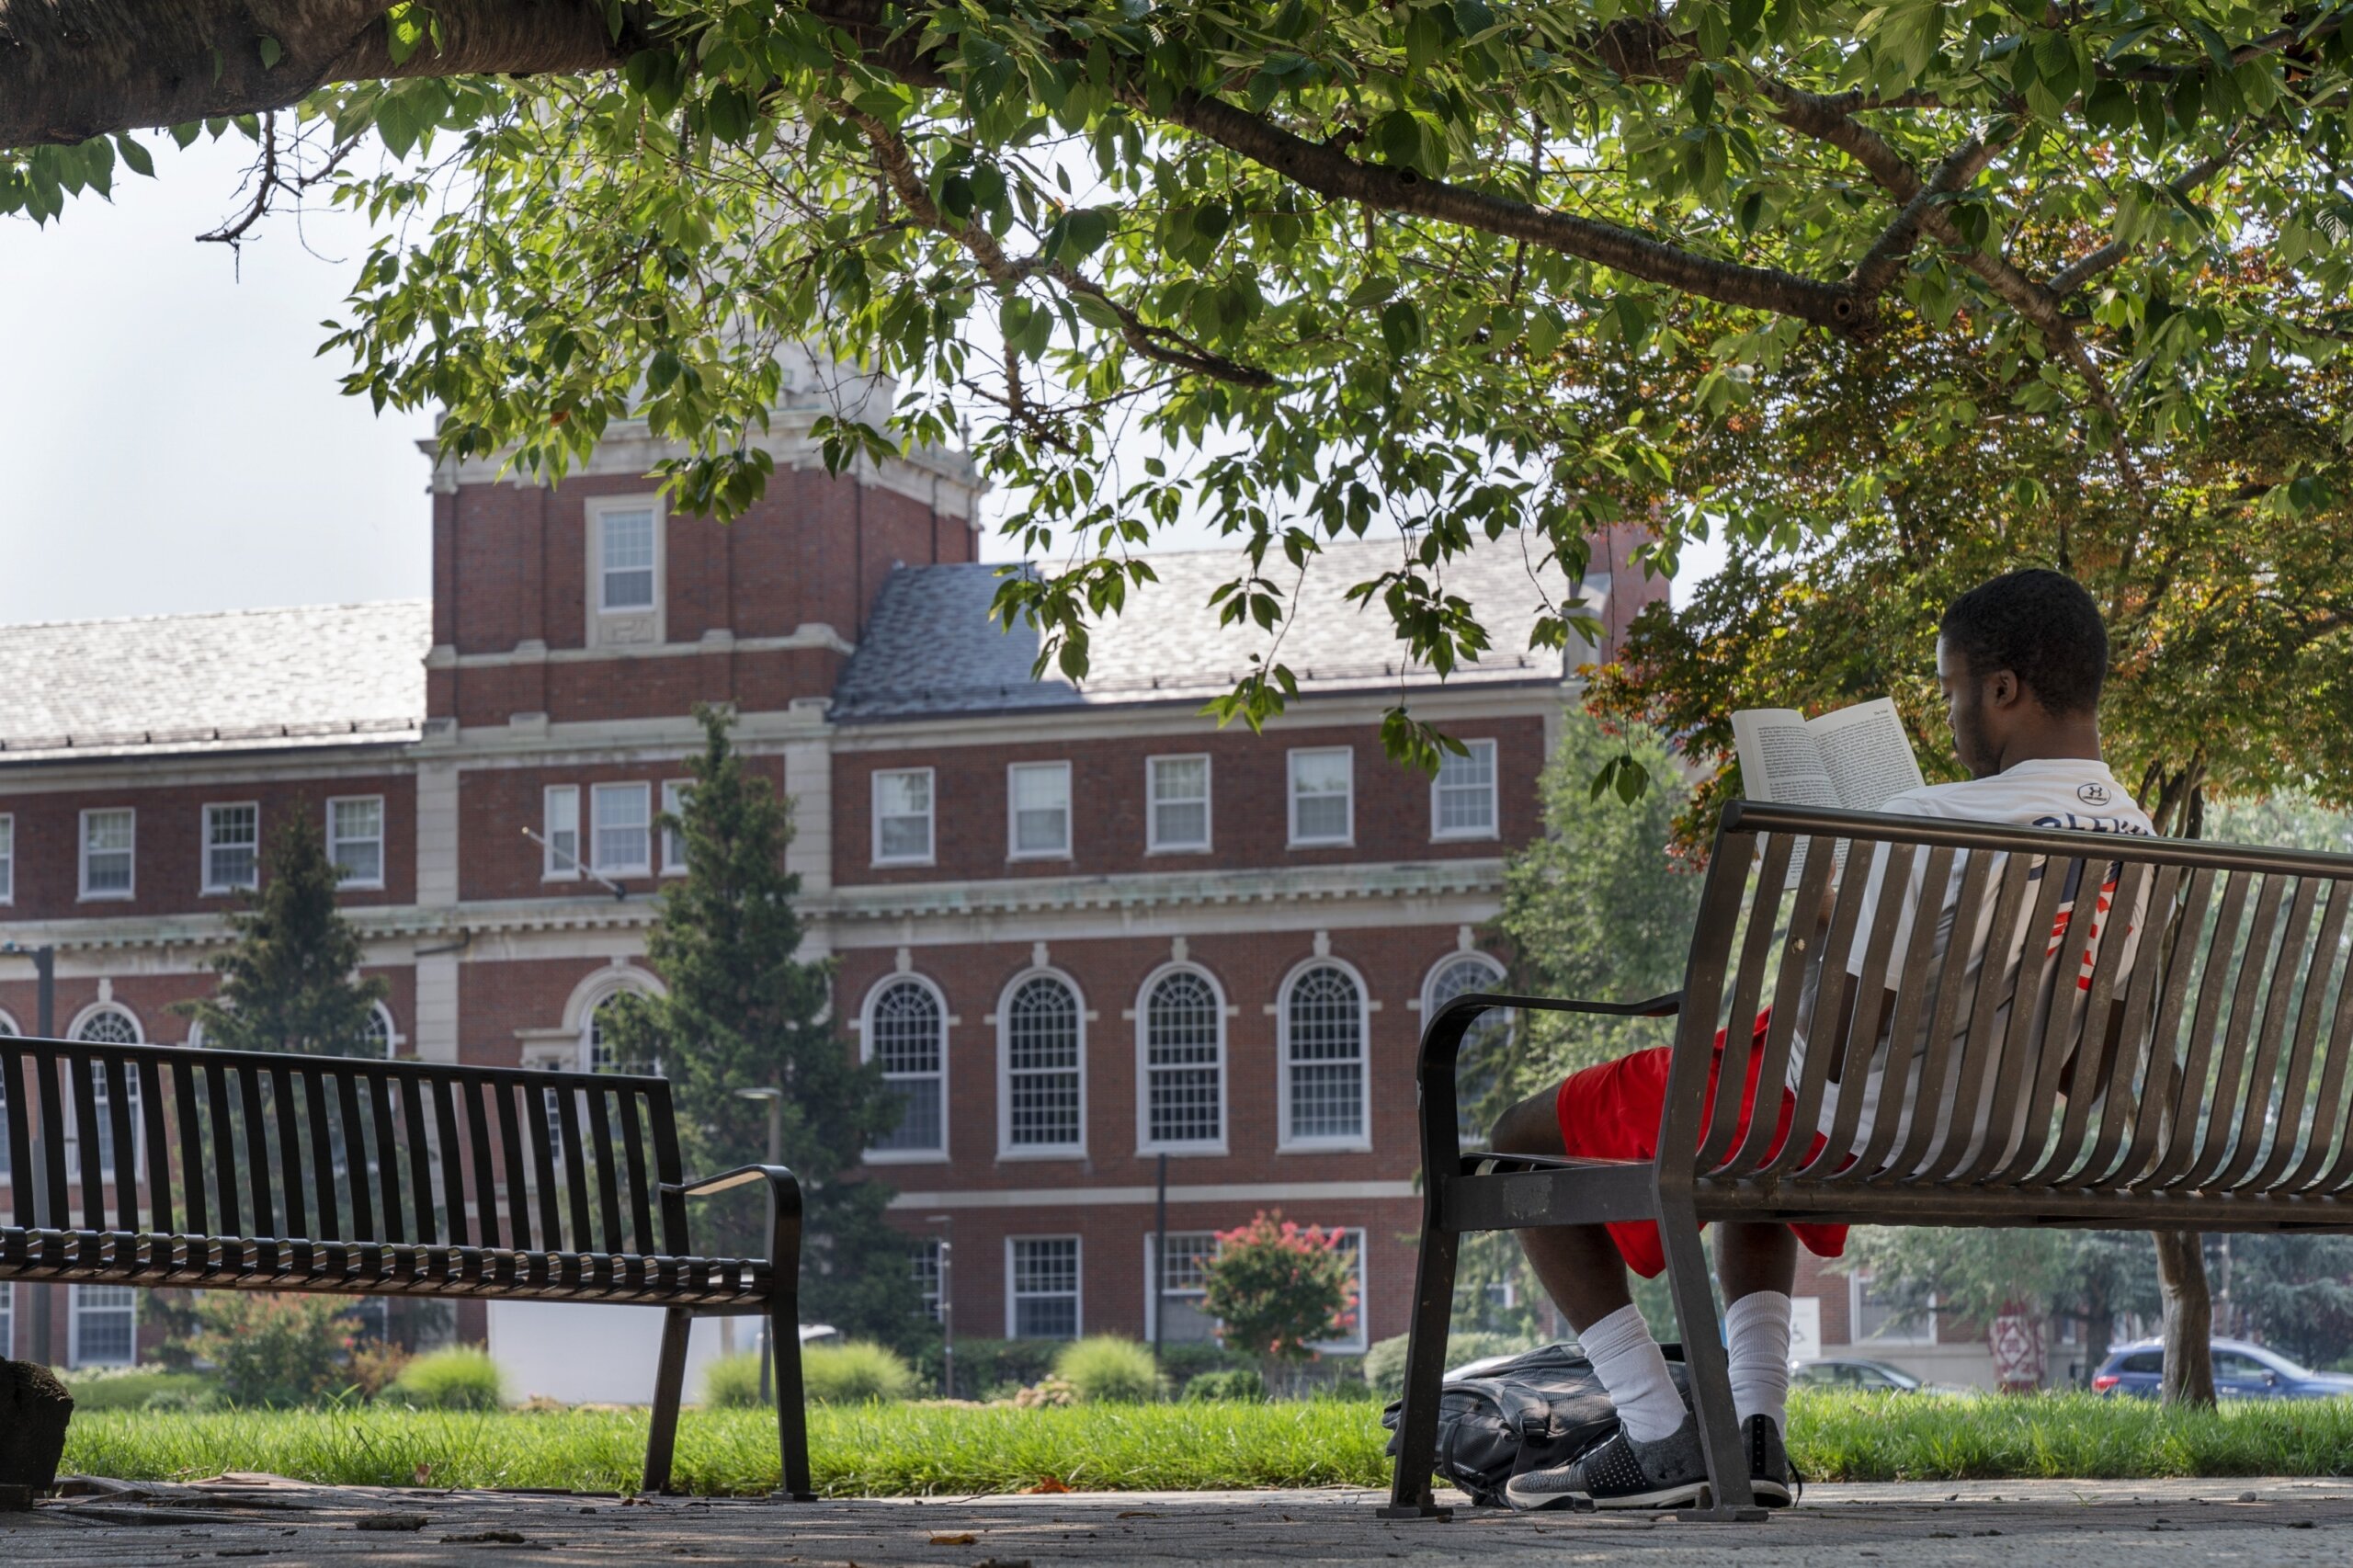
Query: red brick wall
[[495, 805], [1249, 810], [168, 866], [148, 998], [495, 999]]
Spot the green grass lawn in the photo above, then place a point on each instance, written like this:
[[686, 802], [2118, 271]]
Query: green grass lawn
[[900, 1450]]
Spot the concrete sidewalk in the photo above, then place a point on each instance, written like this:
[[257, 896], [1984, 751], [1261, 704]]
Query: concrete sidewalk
[[2082, 1525]]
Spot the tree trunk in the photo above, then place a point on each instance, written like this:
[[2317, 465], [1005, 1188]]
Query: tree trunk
[[2189, 1319], [34, 1409], [2099, 1332]]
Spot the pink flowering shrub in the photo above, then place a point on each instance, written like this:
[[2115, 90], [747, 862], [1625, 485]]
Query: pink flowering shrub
[[1276, 1288]]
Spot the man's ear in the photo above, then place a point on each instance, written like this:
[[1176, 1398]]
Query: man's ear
[[2002, 689]]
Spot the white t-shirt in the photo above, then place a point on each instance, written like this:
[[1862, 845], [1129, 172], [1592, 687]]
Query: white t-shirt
[[2050, 792]]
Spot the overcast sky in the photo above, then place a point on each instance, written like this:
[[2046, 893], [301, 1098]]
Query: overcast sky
[[170, 441]]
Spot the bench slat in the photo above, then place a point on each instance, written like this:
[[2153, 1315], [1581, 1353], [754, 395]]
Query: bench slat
[[149, 1076], [1789, 987], [633, 1153], [2040, 1158], [576, 1171], [1853, 1052], [487, 1230], [609, 1198], [2332, 1123], [1747, 992], [2268, 1123], [2131, 1070], [418, 1153], [2226, 1087], [2012, 1063], [2305, 1068], [1959, 1076]]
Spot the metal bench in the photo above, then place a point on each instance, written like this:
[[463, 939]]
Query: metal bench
[[217, 1170], [2211, 1094]]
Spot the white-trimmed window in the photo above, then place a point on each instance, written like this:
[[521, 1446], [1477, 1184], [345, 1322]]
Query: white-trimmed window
[[560, 832], [106, 1024], [231, 847], [7, 859], [1351, 1340], [1187, 1257], [1322, 796], [622, 817], [1323, 1088], [1481, 1060], [627, 536], [1872, 1317], [109, 845], [1043, 1298], [104, 1326], [1181, 1042], [924, 1259], [355, 839], [903, 816], [1177, 803], [1041, 1075], [1462, 796], [674, 840], [1037, 811], [906, 1032], [380, 1038]]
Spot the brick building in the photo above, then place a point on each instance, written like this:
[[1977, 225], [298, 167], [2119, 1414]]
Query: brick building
[[1081, 926]]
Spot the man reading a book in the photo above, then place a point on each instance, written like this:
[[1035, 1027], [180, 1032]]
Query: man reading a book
[[2021, 660]]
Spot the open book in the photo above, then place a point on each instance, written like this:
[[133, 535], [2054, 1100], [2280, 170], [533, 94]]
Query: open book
[[1856, 758]]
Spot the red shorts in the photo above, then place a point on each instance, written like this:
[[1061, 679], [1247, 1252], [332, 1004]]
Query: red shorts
[[1611, 1112]]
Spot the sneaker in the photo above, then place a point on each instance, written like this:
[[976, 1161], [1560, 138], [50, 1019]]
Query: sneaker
[[1771, 1477], [1620, 1474]]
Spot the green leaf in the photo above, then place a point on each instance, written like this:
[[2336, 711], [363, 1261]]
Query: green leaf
[[1425, 39], [406, 30], [135, 156], [272, 51], [1401, 327]]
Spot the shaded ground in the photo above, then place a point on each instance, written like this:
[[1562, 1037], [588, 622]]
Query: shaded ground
[[2085, 1525]]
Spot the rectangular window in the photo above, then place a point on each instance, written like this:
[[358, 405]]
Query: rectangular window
[[1043, 1303], [1874, 1317], [109, 838], [560, 832], [1188, 1256], [1038, 797], [1176, 814], [1322, 796], [926, 1259], [1462, 796], [626, 560], [231, 847], [7, 859], [624, 822], [674, 841], [355, 839], [105, 1326], [1351, 1338], [902, 817]]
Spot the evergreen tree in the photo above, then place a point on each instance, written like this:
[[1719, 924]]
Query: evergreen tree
[[743, 1011], [292, 981]]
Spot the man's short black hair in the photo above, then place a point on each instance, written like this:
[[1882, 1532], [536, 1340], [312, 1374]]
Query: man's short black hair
[[2041, 627]]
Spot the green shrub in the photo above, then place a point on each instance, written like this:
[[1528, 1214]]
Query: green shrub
[[1234, 1382], [1106, 1369], [1384, 1364], [854, 1372], [139, 1388], [1185, 1360], [732, 1383], [984, 1365], [461, 1378], [273, 1349]]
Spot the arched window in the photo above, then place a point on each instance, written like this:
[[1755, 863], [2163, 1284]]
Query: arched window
[[1324, 1059], [380, 1039], [905, 1031], [106, 1024], [1041, 1047], [1181, 1038], [596, 1049], [1479, 1068]]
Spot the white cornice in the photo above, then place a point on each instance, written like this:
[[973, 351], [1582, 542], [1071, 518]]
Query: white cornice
[[809, 634], [1164, 889]]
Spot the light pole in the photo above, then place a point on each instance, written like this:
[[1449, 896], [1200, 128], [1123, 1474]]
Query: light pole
[[947, 1223], [775, 1098], [45, 1023]]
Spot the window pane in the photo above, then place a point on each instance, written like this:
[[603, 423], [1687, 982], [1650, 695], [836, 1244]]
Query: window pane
[[674, 840], [106, 851], [7, 864], [1040, 809], [1045, 1287], [561, 831], [232, 837], [623, 817], [905, 1042], [902, 815], [1326, 1050], [1180, 802], [1041, 1065], [926, 1265], [356, 838], [1466, 790], [1480, 1064], [1178, 1307], [903, 794], [105, 1326], [1319, 789], [629, 559], [1182, 1035]]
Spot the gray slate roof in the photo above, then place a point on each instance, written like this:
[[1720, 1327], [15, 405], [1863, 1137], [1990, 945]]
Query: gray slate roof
[[247, 680], [930, 647]]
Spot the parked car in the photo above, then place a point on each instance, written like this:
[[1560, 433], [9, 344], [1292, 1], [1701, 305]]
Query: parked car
[[2241, 1372], [1856, 1377]]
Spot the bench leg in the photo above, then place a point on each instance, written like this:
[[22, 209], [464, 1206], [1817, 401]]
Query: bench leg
[[792, 1411], [1730, 1498], [1409, 1484], [669, 1384]]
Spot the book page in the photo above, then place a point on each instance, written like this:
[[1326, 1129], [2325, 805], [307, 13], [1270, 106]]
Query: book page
[[1865, 753], [1780, 758]]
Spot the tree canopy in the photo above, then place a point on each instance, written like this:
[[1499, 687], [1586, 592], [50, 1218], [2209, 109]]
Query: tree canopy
[[1339, 265]]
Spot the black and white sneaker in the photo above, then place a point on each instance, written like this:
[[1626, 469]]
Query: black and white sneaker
[[1619, 1472], [1771, 1477]]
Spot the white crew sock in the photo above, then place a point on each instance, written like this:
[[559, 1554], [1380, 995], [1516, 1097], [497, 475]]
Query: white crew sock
[[1757, 1342], [1627, 1362]]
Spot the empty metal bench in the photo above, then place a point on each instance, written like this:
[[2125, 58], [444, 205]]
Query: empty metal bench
[[2197, 1079], [217, 1170]]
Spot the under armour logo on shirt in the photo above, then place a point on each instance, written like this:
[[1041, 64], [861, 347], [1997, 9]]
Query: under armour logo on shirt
[[2093, 794]]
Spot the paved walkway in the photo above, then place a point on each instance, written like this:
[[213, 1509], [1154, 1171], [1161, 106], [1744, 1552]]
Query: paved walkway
[[2081, 1525]]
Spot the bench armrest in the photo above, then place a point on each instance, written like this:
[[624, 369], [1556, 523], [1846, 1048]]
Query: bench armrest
[[779, 1178], [1442, 1039], [1660, 1007]]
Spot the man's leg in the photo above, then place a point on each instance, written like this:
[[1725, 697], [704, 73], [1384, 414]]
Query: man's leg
[[1756, 1264]]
